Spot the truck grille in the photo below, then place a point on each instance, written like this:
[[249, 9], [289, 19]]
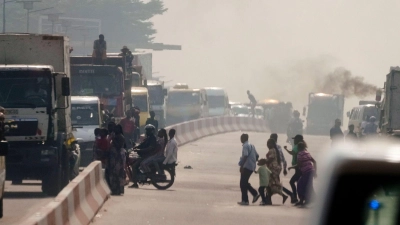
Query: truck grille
[[21, 127]]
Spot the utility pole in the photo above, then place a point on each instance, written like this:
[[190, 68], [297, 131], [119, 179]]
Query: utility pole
[[4, 16]]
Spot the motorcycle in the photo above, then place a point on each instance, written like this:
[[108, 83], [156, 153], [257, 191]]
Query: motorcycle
[[162, 179]]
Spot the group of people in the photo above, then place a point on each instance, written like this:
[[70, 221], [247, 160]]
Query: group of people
[[270, 169], [111, 148], [368, 128]]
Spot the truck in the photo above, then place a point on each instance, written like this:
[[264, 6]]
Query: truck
[[140, 99], [86, 116], [145, 61], [389, 122], [218, 101], [276, 113], [185, 104], [35, 92], [103, 81], [157, 94], [323, 110]]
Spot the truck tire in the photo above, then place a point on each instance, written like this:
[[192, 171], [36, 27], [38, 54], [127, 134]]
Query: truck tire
[[52, 183]]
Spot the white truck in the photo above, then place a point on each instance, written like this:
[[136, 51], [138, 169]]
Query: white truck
[[157, 94], [389, 122], [34, 90], [218, 101], [86, 116]]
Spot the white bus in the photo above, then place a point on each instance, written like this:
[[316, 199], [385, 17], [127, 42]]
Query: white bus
[[218, 101]]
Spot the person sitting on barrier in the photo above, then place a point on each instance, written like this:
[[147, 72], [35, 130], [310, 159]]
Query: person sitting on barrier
[[171, 150], [144, 150], [158, 155]]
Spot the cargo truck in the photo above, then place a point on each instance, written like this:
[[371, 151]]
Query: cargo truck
[[389, 107], [35, 90], [323, 110]]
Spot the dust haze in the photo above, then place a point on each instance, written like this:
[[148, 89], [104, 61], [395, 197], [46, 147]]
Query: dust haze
[[279, 49]]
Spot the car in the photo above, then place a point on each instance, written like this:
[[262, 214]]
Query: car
[[240, 110]]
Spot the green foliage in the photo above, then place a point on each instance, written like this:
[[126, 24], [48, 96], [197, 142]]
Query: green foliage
[[123, 21]]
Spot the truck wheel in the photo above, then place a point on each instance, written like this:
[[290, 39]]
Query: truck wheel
[[16, 182], [52, 183]]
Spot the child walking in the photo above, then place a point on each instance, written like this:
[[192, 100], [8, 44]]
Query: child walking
[[264, 174]]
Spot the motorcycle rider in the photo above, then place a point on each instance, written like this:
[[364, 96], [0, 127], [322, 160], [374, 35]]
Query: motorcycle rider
[[295, 127], [144, 150]]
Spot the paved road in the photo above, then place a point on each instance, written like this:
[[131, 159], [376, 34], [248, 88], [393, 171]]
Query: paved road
[[22, 201], [208, 193]]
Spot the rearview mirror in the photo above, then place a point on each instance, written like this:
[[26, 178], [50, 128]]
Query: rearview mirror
[[127, 85], [165, 92], [65, 88]]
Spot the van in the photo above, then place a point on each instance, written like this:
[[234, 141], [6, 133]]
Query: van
[[359, 114], [86, 116], [218, 101]]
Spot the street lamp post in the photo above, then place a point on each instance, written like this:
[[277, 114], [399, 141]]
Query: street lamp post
[[28, 5], [53, 17]]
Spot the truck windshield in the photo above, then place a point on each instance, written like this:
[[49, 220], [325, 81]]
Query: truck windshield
[[215, 101], [96, 85], [323, 112], [371, 111], [141, 102], [156, 94], [24, 89], [87, 114], [183, 98]]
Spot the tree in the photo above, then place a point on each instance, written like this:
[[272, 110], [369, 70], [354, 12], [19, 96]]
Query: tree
[[123, 21]]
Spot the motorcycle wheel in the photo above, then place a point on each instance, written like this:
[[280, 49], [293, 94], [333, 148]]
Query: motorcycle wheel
[[163, 184]]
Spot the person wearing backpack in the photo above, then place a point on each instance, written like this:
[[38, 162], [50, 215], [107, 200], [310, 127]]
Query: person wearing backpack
[[247, 165], [295, 127]]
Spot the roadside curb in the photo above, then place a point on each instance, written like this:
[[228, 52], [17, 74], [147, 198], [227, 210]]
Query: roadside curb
[[196, 129], [78, 202]]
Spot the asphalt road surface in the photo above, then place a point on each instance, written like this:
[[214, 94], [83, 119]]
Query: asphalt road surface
[[208, 193], [22, 201]]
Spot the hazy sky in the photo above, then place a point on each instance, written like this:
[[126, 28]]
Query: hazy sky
[[276, 48]]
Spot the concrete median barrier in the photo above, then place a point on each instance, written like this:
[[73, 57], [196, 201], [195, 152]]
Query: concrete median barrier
[[78, 202], [196, 129]]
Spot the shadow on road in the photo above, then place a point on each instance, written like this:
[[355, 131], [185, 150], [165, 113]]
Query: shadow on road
[[24, 194]]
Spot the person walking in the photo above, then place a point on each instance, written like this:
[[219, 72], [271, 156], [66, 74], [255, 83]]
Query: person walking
[[308, 167], [297, 174], [117, 162], [171, 149], [274, 136], [336, 132], [264, 175], [274, 165], [351, 136], [152, 120], [371, 128], [295, 127], [129, 127], [247, 165], [253, 103]]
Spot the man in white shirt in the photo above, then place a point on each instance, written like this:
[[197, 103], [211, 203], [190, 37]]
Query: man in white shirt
[[171, 151]]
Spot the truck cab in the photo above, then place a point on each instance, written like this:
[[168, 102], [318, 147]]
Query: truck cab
[[86, 116], [184, 104], [360, 114], [35, 92]]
